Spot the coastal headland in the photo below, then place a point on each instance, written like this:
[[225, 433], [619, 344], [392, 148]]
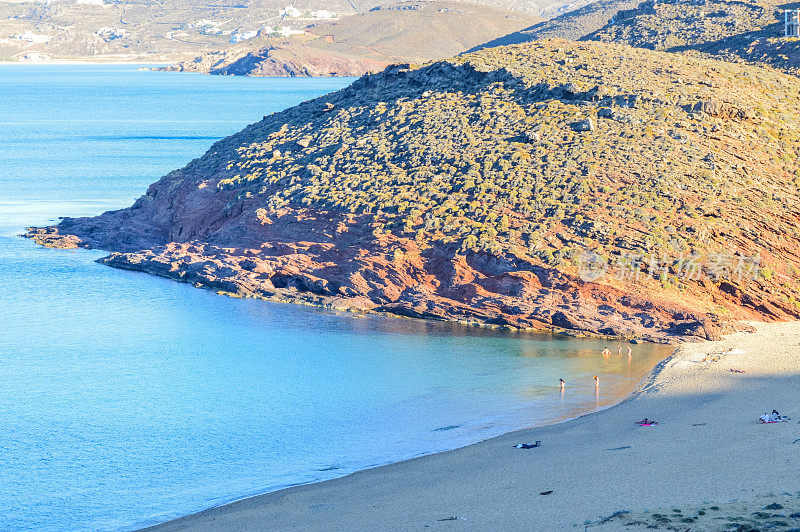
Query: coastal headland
[[589, 188], [707, 465]]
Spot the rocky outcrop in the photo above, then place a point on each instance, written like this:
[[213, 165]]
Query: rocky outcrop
[[281, 60], [581, 187], [396, 277], [722, 110]]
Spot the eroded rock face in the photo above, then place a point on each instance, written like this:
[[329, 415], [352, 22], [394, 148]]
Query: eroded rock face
[[461, 190], [394, 276]]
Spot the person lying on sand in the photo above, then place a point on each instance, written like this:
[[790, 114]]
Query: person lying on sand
[[773, 417]]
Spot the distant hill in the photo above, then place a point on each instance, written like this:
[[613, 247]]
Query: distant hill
[[742, 30], [156, 30], [582, 186], [572, 25], [410, 31], [174, 30], [733, 30]]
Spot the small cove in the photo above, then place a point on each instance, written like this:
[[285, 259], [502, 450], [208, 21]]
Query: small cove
[[129, 399]]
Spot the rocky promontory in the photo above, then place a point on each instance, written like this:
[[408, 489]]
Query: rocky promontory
[[584, 187]]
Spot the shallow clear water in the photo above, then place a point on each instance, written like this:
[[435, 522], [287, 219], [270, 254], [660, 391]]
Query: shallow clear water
[[127, 399]]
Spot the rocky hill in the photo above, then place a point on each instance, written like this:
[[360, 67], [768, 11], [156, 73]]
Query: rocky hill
[[586, 187], [748, 31], [409, 31]]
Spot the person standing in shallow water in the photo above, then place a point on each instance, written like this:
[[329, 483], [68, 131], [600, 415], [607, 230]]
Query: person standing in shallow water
[[630, 351], [596, 382], [606, 352], [619, 350], [561, 384]]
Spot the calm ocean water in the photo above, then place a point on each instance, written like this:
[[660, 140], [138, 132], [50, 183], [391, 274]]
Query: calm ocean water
[[126, 399]]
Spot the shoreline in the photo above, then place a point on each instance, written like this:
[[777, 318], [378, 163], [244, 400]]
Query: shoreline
[[499, 486], [651, 375], [565, 419], [232, 272], [223, 287], [82, 62]]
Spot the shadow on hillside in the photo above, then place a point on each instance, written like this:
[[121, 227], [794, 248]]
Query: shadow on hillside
[[573, 26], [406, 83], [781, 53]]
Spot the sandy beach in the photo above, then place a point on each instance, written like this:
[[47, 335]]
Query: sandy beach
[[708, 465]]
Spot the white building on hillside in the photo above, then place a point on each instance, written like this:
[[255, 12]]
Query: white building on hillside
[[32, 56], [291, 12], [325, 14], [240, 36], [286, 31], [791, 23], [35, 38]]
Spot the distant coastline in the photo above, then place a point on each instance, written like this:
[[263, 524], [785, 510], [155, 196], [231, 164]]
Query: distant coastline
[[62, 62]]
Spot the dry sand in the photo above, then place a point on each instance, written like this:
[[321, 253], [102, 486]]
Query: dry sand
[[707, 450]]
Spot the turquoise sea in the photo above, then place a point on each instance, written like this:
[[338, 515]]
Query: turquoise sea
[[127, 399]]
